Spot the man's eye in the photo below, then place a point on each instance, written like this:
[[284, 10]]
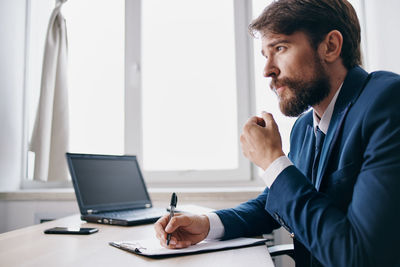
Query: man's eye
[[280, 48]]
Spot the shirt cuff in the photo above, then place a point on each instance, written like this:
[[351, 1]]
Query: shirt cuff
[[217, 229], [276, 167]]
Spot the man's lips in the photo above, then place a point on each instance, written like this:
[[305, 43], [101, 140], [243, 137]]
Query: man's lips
[[278, 89]]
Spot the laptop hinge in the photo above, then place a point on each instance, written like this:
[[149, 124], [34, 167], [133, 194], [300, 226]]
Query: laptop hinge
[[91, 211]]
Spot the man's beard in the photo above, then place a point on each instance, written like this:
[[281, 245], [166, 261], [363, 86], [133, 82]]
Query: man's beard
[[304, 94]]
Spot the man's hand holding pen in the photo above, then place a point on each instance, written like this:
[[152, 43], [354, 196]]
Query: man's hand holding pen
[[183, 230]]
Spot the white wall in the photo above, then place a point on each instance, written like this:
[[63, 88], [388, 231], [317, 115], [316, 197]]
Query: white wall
[[19, 213], [12, 34], [383, 39]]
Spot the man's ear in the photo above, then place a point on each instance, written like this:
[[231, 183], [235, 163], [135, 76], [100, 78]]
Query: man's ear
[[331, 47]]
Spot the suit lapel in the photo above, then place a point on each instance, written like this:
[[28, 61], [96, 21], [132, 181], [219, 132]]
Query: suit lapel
[[351, 89], [331, 137]]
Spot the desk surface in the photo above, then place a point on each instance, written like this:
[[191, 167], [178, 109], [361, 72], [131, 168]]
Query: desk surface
[[31, 247]]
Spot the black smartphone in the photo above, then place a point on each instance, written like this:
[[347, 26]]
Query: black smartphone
[[71, 230]]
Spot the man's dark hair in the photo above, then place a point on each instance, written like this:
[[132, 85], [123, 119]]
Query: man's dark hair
[[315, 18]]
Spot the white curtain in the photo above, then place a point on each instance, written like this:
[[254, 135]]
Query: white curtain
[[50, 134]]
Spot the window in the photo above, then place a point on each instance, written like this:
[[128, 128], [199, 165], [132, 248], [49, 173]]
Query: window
[[189, 66], [188, 85], [96, 45], [165, 80]]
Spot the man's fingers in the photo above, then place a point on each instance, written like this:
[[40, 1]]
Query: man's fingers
[[174, 243], [243, 141], [260, 122], [159, 227], [267, 117], [250, 124], [178, 220], [253, 119], [256, 121], [182, 244], [246, 147], [162, 222], [161, 236]]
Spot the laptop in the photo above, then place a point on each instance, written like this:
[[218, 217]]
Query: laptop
[[110, 190]]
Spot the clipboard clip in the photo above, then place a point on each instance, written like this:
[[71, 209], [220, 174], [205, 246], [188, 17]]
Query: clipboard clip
[[137, 247]]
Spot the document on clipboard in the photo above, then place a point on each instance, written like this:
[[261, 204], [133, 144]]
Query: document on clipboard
[[152, 248]]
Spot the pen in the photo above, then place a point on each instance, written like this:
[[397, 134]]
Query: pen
[[172, 206]]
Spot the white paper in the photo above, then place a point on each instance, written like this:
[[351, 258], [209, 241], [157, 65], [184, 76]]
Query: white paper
[[152, 247]]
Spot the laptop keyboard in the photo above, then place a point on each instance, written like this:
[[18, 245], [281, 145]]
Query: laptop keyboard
[[140, 213]]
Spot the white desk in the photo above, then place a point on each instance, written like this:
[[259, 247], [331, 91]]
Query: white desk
[[31, 247]]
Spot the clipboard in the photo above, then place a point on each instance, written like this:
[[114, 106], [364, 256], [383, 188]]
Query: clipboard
[[151, 247]]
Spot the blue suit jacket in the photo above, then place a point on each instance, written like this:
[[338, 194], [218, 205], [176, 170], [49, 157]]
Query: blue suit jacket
[[352, 216]]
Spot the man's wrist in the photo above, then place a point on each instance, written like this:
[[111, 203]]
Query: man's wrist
[[216, 227], [272, 159], [207, 223], [274, 169]]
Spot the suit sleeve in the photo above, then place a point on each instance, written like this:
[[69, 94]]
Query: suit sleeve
[[248, 219], [367, 233]]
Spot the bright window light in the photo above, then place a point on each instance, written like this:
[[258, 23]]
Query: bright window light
[[96, 40], [189, 85]]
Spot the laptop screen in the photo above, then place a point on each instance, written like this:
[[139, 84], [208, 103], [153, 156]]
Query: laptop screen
[[105, 182]]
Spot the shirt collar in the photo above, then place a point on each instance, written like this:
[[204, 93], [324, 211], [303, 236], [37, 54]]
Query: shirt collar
[[323, 123]]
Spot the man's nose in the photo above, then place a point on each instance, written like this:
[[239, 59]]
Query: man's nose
[[270, 70]]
